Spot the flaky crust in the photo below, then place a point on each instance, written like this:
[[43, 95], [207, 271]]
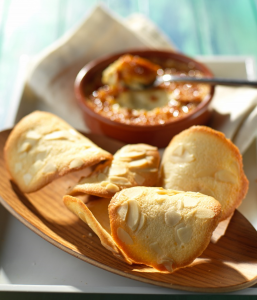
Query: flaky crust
[[95, 221], [164, 229], [43, 147], [132, 165], [201, 159]]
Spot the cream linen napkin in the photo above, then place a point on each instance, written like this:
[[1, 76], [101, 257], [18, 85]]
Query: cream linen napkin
[[235, 114], [53, 72]]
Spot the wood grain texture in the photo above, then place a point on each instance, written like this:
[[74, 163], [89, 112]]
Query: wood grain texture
[[228, 265]]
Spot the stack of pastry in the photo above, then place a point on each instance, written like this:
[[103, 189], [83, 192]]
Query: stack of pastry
[[145, 212]]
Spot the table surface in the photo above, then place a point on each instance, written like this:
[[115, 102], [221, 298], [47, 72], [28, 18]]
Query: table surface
[[196, 27]]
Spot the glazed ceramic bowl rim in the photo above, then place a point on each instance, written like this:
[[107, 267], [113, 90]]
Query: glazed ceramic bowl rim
[[81, 97]]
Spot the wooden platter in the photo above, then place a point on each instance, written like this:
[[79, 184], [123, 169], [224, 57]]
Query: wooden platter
[[228, 265]]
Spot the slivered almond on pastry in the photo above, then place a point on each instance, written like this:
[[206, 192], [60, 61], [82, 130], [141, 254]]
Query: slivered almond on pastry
[[201, 159], [140, 229], [132, 165], [167, 234], [43, 147]]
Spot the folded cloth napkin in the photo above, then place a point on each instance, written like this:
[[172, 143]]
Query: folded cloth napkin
[[53, 72], [235, 114]]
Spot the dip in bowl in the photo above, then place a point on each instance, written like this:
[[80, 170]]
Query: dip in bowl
[[118, 98]]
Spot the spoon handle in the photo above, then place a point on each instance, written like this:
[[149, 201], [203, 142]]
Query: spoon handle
[[212, 81]]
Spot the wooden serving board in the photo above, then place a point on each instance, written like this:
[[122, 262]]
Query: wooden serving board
[[228, 265]]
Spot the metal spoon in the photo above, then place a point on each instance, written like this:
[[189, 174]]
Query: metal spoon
[[211, 81]]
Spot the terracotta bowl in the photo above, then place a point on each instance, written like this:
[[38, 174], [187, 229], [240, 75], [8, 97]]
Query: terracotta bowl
[[158, 135]]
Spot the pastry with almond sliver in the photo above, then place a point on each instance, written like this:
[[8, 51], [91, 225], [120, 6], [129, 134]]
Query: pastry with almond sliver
[[132, 165], [163, 229], [43, 147], [201, 159]]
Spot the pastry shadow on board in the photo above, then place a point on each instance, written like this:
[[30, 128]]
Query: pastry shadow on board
[[73, 233], [81, 237]]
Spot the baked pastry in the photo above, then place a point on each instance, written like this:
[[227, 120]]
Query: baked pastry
[[164, 229], [95, 214], [132, 165], [43, 147], [131, 71], [201, 159]]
